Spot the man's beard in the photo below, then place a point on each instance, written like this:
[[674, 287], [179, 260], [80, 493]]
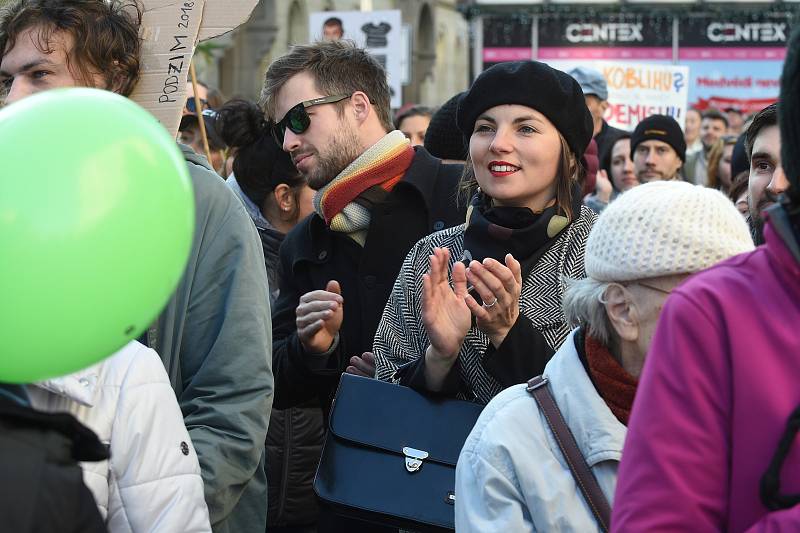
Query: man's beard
[[647, 179], [341, 151], [756, 221]]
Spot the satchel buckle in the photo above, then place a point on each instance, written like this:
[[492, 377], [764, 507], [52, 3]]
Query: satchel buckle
[[414, 459], [535, 383]]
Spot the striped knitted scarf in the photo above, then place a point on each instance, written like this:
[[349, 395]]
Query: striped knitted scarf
[[346, 202]]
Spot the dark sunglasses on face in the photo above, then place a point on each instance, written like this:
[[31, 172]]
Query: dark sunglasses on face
[[192, 108], [297, 119]]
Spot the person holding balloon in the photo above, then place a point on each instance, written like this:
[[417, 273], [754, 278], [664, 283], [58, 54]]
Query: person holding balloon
[[214, 332]]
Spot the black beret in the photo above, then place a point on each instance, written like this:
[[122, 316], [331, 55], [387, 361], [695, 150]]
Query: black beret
[[443, 138], [660, 128], [551, 92]]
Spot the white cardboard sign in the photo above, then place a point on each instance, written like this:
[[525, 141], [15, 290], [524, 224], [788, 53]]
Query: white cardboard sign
[[638, 89], [170, 32]]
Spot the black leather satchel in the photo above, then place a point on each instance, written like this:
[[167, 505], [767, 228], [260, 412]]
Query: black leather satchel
[[390, 454]]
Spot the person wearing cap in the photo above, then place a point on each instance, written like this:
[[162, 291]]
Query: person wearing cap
[[501, 320], [511, 474], [595, 91], [442, 138], [712, 442], [189, 133], [658, 149]]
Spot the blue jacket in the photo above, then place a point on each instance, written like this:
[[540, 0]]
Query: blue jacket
[[511, 474]]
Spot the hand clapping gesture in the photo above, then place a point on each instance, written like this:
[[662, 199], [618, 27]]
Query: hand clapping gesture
[[499, 287], [447, 311], [444, 311]]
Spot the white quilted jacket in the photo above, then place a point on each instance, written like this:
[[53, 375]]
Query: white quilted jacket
[[152, 481]]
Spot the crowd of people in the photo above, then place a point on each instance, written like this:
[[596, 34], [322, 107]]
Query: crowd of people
[[651, 277]]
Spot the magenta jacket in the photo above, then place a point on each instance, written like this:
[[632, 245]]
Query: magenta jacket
[[721, 379]]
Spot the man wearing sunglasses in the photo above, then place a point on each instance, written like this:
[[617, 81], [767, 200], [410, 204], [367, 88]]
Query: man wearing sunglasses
[[214, 333], [376, 197]]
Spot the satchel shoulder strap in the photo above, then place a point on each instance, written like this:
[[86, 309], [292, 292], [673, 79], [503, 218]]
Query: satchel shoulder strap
[[770, 493], [538, 387]]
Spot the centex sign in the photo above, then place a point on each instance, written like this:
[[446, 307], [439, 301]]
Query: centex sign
[[608, 32], [762, 32]]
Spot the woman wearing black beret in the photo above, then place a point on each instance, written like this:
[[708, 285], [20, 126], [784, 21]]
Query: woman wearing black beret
[[496, 319]]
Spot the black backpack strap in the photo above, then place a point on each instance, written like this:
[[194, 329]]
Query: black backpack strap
[[588, 484], [771, 480]]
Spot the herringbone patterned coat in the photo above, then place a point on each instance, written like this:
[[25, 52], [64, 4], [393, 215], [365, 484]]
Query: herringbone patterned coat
[[401, 337]]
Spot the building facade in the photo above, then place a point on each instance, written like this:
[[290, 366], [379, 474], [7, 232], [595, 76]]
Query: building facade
[[439, 48]]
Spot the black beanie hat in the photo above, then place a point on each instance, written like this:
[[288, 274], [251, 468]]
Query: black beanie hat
[[443, 138], [739, 162], [660, 128], [551, 92], [789, 116]]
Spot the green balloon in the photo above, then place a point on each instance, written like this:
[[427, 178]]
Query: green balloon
[[96, 224]]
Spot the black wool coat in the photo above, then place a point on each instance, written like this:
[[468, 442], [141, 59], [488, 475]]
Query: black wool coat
[[423, 202]]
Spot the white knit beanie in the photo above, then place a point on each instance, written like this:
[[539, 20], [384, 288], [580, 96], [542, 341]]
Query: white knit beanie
[[664, 228]]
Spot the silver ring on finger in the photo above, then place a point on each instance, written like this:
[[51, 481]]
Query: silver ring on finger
[[487, 306]]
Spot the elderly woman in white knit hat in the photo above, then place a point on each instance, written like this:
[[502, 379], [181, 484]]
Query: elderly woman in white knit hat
[[513, 474]]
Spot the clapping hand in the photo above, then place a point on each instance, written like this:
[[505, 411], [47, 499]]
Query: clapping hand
[[499, 287]]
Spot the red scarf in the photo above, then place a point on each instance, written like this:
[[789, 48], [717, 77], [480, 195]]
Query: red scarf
[[615, 385]]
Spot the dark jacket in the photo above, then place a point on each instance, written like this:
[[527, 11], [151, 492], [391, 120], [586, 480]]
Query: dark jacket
[[214, 339], [294, 446], [42, 488], [605, 139], [424, 201]]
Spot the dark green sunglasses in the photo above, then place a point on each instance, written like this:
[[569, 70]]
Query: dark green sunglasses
[[297, 119]]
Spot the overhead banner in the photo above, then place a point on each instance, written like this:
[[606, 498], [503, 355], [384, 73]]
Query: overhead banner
[[735, 62], [643, 38], [506, 39], [379, 32]]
